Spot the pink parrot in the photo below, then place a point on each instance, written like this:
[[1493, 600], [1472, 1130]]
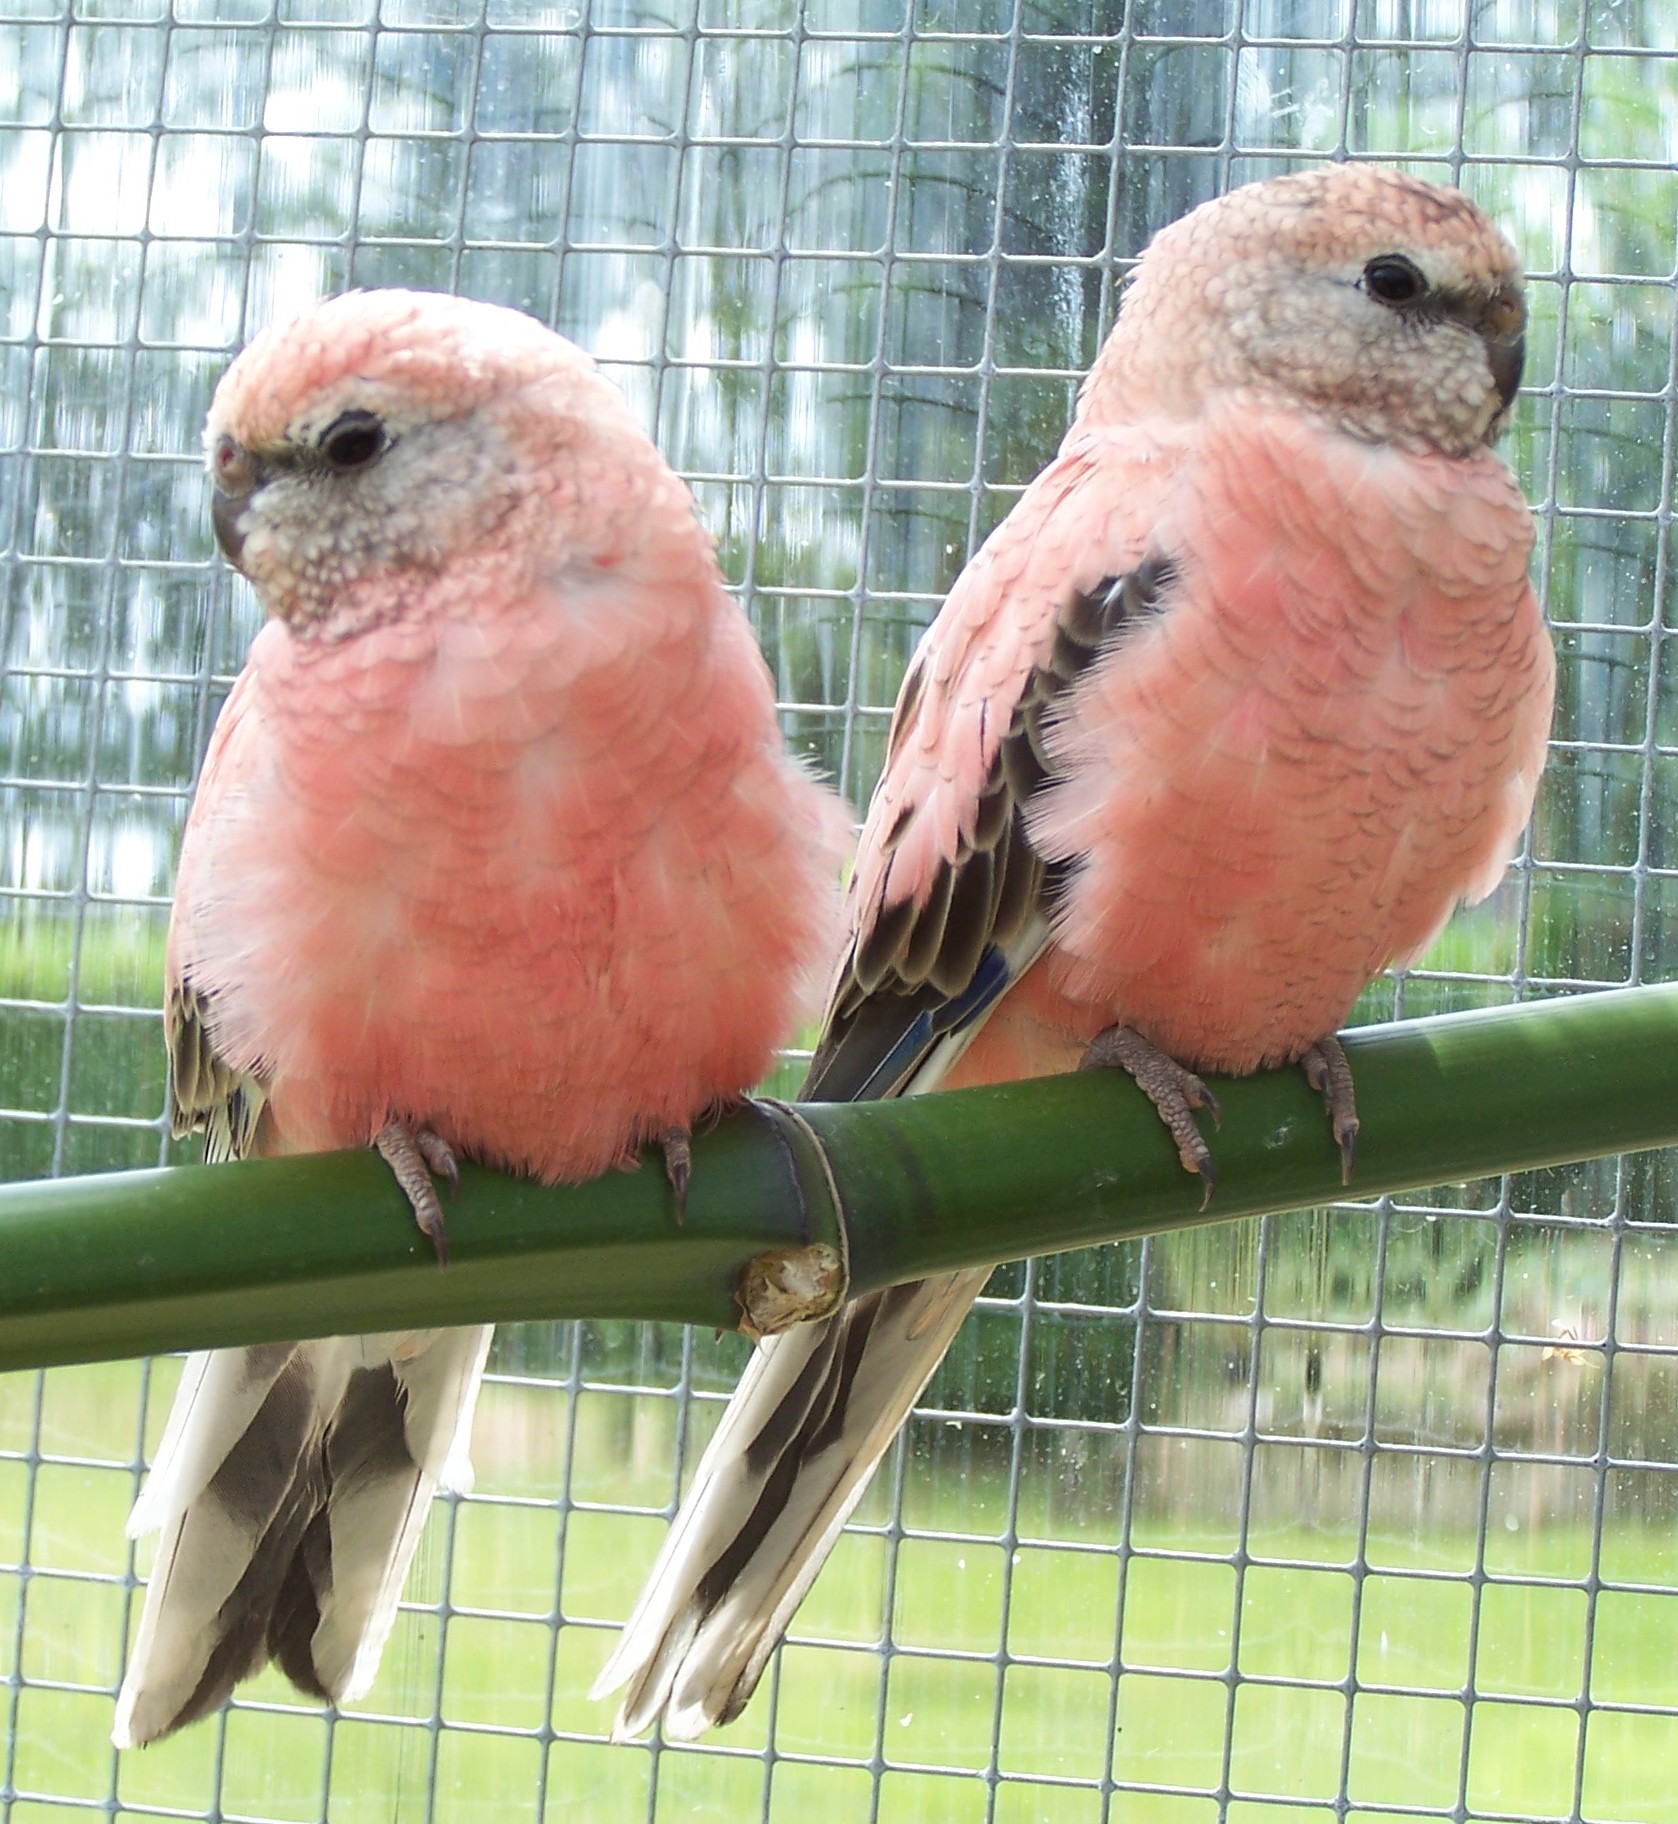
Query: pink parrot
[[1244, 695], [496, 854]]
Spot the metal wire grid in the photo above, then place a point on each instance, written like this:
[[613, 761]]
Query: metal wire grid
[[1362, 1513]]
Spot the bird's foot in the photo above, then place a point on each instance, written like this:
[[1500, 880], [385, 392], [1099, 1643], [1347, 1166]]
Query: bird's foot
[[1174, 1091], [1328, 1073], [414, 1154], [676, 1144]]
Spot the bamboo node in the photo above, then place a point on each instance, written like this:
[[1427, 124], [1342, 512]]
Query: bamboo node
[[788, 1286]]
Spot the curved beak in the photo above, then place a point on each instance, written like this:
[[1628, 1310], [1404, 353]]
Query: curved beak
[[1504, 328], [1507, 360], [236, 474], [227, 513]]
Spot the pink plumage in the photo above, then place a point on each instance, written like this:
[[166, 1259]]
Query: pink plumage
[[524, 859], [1234, 889], [496, 854], [1245, 694]]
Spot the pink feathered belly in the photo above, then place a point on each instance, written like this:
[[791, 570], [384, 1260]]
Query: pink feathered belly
[[548, 1029], [546, 948], [1288, 780]]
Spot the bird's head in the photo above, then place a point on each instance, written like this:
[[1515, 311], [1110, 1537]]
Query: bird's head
[[1391, 305], [383, 435]]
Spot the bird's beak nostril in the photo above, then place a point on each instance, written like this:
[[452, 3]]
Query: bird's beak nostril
[[1506, 316], [232, 467], [236, 474]]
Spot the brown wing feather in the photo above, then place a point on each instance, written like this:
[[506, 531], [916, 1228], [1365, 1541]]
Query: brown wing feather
[[910, 957], [206, 1095]]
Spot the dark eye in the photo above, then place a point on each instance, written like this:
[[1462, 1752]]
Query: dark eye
[[1393, 280], [353, 440]]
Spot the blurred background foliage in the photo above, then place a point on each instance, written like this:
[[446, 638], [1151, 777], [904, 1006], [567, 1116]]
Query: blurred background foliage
[[849, 261]]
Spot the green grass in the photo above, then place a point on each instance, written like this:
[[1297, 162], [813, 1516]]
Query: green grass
[[117, 962], [1416, 1744], [1185, 1618]]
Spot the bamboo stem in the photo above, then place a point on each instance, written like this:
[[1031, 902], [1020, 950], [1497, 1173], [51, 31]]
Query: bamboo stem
[[135, 1262]]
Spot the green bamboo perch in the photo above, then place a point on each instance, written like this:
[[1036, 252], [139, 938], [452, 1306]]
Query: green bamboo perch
[[127, 1264]]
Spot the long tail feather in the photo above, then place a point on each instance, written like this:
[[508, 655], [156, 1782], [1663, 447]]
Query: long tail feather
[[290, 1489], [816, 1410]]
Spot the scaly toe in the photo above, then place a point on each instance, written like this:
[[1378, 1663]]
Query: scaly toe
[[1175, 1091], [412, 1157], [1330, 1075]]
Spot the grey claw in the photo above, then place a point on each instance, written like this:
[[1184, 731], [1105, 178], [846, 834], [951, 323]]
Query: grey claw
[[439, 1157], [677, 1146]]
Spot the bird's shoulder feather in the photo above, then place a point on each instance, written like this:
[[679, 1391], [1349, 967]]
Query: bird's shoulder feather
[[948, 902]]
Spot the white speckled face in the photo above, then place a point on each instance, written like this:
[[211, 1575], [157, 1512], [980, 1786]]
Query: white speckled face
[[1392, 305], [357, 450], [1406, 345], [355, 489]]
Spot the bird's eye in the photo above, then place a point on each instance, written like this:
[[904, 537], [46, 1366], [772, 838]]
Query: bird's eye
[[353, 440], [1393, 280]]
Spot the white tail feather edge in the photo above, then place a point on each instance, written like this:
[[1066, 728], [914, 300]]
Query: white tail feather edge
[[699, 1667], [374, 1519]]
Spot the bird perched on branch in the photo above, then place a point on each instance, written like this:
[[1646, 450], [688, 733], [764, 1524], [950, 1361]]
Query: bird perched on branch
[[496, 854], [1247, 691]]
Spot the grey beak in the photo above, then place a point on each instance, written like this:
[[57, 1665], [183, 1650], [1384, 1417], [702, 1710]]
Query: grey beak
[[227, 512], [1507, 360]]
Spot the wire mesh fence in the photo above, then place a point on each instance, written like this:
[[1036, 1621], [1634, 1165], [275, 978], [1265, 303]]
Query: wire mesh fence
[[1366, 1512]]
